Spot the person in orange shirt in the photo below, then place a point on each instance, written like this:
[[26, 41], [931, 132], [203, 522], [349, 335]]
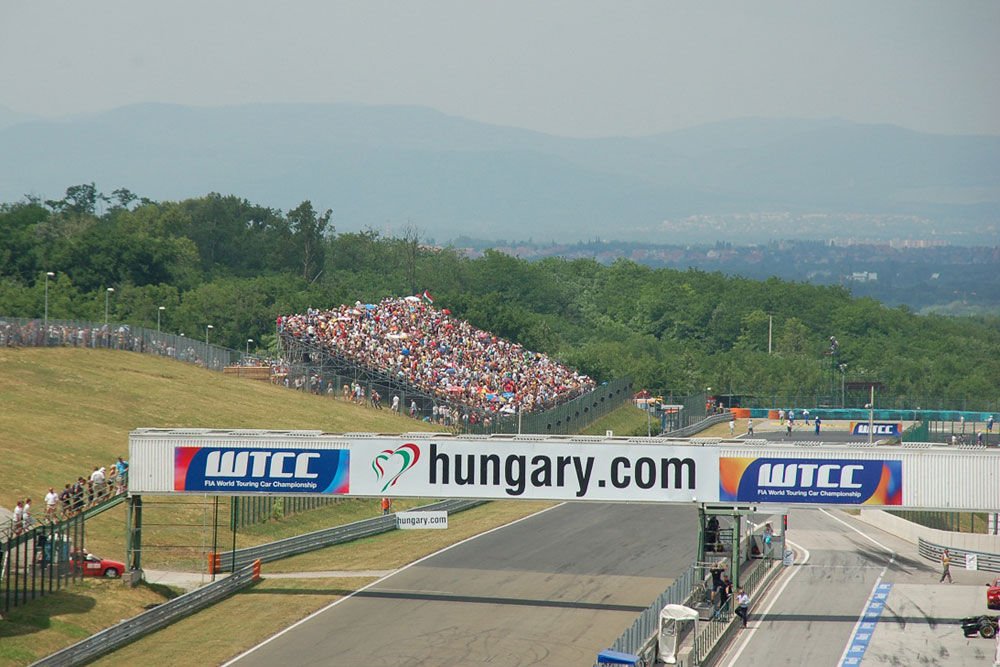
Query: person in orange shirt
[[386, 504]]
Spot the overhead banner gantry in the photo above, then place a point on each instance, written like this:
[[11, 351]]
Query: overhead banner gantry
[[218, 462]]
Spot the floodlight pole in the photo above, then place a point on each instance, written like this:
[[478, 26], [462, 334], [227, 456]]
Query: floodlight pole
[[48, 274], [871, 414]]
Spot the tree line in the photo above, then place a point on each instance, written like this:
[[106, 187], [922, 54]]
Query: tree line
[[222, 260]]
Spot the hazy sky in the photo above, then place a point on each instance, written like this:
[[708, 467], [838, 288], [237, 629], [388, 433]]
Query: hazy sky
[[579, 68]]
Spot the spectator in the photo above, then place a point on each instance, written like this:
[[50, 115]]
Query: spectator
[[51, 500]]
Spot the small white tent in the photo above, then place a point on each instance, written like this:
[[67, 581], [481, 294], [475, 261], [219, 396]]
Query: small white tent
[[670, 618]]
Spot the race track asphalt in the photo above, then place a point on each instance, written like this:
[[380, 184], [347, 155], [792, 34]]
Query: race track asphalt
[[553, 589]]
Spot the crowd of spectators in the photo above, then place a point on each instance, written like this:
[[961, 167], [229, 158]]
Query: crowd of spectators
[[102, 483], [438, 354]]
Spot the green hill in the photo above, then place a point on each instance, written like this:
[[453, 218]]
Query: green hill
[[68, 410]]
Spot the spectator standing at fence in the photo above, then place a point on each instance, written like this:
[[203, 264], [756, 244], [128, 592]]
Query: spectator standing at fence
[[66, 501], [27, 520], [413, 409], [121, 478], [18, 517], [781, 416], [51, 499], [743, 606], [945, 567], [97, 482], [395, 404]]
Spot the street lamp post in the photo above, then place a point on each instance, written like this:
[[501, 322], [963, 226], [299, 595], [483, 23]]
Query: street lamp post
[[249, 340], [843, 385], [107, 297], [208, 327], [48, 274], [159, 311]]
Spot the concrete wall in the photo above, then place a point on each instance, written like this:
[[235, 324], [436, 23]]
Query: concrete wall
[[911, 531]]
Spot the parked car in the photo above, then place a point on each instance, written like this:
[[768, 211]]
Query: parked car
[[985, 626], [993, 595], [90, 565]]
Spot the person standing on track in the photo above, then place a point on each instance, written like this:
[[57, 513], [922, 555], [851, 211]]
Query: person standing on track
[[945, 567], [750, 427]]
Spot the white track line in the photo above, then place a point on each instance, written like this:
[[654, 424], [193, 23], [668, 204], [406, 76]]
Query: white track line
[[747, 635], [363, 588]]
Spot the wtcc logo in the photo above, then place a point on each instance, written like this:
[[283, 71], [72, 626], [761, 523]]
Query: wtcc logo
[[878, 428], [390, 464]]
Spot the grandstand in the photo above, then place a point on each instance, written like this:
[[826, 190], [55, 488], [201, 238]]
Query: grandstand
[[427, 357]]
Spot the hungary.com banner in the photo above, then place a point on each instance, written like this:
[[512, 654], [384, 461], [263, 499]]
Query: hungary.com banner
[[534, 470]]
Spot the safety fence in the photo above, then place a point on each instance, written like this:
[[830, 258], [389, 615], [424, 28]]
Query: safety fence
[[647, 624], [883, 399], [712, 632], [984, 561], [956, 522], [41, 560], [252, 510], [129, 630], [226, 561], [699, 426], [641, 637]]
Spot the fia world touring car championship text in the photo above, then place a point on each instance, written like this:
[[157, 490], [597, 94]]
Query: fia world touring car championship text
[[260, 485]]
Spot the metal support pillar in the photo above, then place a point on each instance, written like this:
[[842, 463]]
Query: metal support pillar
[[134, 537]]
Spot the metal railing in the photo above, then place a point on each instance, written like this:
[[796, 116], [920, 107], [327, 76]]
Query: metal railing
[[646, 625], [292, 546], [128, 631], [698, 426], [931, 551], [711, 632], [40, 560]]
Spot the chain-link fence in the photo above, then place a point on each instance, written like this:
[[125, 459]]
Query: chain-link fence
[[17, 332]]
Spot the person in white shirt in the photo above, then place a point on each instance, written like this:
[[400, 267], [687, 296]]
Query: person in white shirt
[[51, 501], [743, 606]]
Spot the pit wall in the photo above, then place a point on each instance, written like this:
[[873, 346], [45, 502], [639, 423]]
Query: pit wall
[[913, 531]]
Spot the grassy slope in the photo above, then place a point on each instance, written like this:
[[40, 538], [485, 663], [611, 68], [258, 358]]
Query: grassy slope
[[65, 410], [68, 410]]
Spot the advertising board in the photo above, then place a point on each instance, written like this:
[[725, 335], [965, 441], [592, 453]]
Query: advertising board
[[811, 480], [877, 428]]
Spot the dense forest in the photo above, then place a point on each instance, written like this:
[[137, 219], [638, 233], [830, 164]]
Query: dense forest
[[225, 261]]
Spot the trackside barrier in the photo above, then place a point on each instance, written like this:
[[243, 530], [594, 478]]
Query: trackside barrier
[[636, 639], [128, 631], [698, 426], [984, 561], [641, 638], [712, 633], [292, 546]]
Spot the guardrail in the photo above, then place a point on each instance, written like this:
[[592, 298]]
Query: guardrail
[[292, 546], [129, 630], [984, 561], [698, 426]]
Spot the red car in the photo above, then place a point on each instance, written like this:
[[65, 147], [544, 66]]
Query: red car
[[993, 595], [90, 565]]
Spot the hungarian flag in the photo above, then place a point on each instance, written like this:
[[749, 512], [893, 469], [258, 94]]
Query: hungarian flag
[[427, 297]]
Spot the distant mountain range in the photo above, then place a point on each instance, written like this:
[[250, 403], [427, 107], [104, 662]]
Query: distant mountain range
[[390, 168]]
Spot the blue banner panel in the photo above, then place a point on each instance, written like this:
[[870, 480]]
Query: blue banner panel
[[256, 470], [878, 428], [821, 481]]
